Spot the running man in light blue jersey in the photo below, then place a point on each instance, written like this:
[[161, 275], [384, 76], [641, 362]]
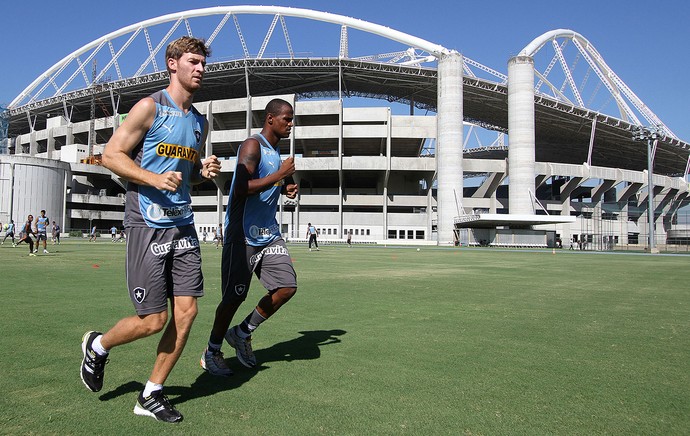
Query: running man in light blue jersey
[[157, 150], [42, 222], [253, 243]]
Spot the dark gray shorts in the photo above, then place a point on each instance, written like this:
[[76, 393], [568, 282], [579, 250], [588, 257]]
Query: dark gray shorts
[[271, 264], [162, 263]]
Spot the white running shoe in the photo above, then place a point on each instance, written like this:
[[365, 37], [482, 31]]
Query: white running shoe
[[242, 346], [45, 251], [214, 363]]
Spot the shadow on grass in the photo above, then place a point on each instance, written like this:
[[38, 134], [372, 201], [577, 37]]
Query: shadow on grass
[[305, 347], [124, 389]]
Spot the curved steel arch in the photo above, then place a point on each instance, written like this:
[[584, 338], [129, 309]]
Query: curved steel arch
[[376, 29], [620, 92], [34, 97]]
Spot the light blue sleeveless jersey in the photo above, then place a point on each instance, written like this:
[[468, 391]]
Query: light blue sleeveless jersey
[[254, 217], [173, 143], [42, 224]]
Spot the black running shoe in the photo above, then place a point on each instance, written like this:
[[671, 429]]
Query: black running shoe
[[93, 365], [157, 406]]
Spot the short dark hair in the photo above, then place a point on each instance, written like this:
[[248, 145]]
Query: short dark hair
[[275, 107]]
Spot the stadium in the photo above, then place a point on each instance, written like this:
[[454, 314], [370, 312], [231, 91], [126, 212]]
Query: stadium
[[396, 139]]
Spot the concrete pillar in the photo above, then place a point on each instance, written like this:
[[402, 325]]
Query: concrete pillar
[[209, 118], [567, 234], [521, 133], [69, 138], [429, 208], [623, 219], [33, 144], [449, 145], [51, 143]]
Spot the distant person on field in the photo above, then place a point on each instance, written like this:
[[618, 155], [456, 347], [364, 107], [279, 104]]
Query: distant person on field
[[56, 233], [9, 232], [92, 236], [219, 235], [253, 243], [27, 231], [349, 238], [113, 233], [311, 234], [42, 222], [157, 150]]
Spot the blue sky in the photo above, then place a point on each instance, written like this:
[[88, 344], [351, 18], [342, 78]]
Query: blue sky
[[646, 46]]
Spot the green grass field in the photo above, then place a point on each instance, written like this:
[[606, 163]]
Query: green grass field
[[376, 341]]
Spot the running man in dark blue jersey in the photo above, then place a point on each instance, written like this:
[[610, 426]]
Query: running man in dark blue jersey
[[157, 150], [253, 243], [25, 235]]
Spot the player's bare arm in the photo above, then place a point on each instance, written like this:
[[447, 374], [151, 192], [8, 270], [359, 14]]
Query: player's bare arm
[[248, 161], [116, 156]]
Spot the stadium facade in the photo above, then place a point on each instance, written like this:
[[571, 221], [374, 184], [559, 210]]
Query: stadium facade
[[568, 172]]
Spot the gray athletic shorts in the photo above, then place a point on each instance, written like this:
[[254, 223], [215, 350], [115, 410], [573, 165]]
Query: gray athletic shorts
[[160, 264], [271, 264]]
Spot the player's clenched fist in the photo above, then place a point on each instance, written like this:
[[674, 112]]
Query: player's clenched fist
[[168, 181], [288, 167], [210, 167], [291, 190]]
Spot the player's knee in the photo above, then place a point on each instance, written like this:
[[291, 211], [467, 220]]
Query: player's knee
[[154, 323], [285, 294], [186, 314], [231, 301]]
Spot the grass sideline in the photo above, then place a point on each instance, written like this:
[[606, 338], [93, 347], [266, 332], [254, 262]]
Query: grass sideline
[[376, 341]]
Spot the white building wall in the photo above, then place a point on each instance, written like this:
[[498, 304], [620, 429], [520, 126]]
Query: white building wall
[[30, 185]]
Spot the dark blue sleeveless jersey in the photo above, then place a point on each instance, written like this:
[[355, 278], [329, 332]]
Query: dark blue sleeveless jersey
[[252, 219], [173, 143]]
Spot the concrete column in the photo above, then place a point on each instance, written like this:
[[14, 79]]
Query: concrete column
[[209, 118], [341, 175], [449, 145], [521, 134], [69, 138], [429, 209], [623, 218], [567, 234], [33, 144], [51, 143]]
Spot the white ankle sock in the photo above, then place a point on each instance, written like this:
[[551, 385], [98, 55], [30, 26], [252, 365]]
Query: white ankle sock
[[98, 348], [150, 387]]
